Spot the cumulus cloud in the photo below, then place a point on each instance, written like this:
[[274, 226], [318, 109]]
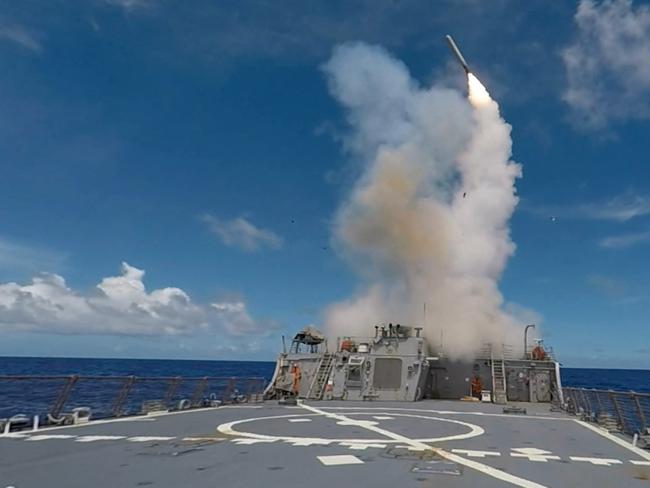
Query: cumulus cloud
[[242, 234], [607, 67], [625, 240], [118, 305], [20, 36]]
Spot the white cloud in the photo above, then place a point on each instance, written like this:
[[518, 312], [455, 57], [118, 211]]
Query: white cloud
[[20, 36], [19, 256], [607, 67], [620, 208], [625, 240], [241, 233], [118, 305]]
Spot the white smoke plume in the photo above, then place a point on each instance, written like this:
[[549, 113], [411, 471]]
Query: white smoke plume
[[427, 221]]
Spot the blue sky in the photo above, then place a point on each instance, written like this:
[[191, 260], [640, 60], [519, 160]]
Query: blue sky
[[198, 141]]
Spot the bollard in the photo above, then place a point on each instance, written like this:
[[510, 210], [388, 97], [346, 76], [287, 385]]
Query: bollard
[[35, 423]]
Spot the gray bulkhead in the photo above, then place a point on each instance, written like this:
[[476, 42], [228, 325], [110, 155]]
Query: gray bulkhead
[[380, 368], [396, 365]]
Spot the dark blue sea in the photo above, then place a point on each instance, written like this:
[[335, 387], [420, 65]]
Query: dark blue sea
[[37, 397]]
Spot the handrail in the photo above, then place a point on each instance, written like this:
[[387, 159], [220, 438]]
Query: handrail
[[114, 396], [627, 412]]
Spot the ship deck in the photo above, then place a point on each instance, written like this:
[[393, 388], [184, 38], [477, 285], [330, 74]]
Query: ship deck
[[324, 444]]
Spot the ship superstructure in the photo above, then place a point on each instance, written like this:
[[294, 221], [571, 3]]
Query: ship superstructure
[[396, 363]]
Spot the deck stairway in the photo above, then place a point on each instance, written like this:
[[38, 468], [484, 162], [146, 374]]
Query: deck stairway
[[498, 379], [317, 387]]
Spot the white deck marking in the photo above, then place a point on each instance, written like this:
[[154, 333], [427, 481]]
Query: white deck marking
[[48, 437], [362, 447], [144, 438], [621, 442], [640, 463], [93, 438], [534, 454], [356, 423], [596, 461], [299, 420], [310, 442], [382, 417], [227, 428], [480, 454], [249, 442], [13, 435], [530, 416], [339, 460], [202, 439], [483, 468]]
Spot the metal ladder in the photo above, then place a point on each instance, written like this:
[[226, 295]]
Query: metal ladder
[[498, 379], [317, 387]]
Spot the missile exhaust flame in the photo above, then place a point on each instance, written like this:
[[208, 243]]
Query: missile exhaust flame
[[478, 95]]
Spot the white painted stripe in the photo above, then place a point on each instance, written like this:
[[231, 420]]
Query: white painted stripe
[[596, 461], [530, 416], [149, 438], [412, 448], [537, 459], [482, 468], [227, 428], [382, 417], [310, 442], [361, 446], [356, 423], [640, 463], [339, 460], [93, 438], [534, 454], [13, 435], [299, 420], [44, 437], [621, 442], [249, 442], [471, 453], [202, 439]]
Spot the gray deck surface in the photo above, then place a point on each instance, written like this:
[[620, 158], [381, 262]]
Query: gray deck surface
[[187, 449]]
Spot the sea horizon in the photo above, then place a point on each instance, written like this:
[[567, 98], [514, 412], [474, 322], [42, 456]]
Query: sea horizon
[[114, 358]]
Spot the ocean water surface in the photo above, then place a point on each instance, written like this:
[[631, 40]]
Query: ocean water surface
[[32, 397]]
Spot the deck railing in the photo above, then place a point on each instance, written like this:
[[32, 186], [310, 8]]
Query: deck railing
[[115, 396], [626, 412]]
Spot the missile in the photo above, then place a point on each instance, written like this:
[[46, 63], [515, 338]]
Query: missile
[[456, 52]]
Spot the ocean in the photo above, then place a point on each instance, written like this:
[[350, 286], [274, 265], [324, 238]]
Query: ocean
[[37, 397]]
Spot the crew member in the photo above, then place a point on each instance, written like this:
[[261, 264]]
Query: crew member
[[296, 374], [476, 386]]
